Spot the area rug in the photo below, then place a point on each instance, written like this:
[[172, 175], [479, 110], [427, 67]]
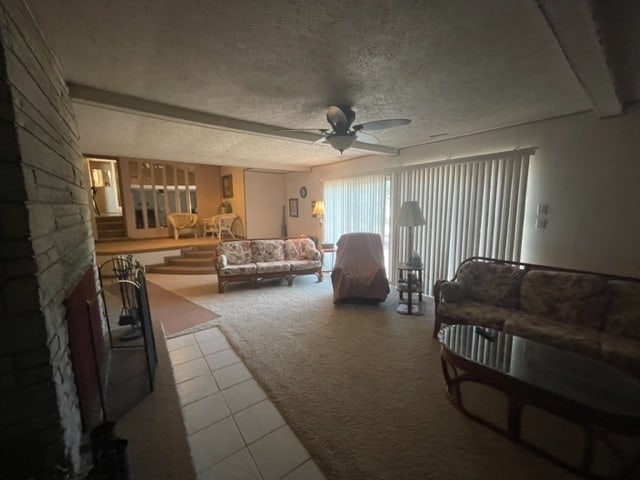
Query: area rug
[[361, 385], [178, 315]]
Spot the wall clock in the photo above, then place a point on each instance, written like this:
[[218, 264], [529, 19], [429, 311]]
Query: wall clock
[[303, 192]]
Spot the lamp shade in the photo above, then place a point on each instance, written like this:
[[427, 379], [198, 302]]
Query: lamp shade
[[411, 215], [318, 209], [341, 142]]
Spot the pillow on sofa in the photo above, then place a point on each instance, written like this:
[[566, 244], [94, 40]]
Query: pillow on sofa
[[492, 283], [623, 315], [301, 248], [269, 250], [238, 252], [453, 292], [575, 298]]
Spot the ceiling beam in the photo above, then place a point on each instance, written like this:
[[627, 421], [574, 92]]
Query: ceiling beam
[[95, 97], [574, 26]]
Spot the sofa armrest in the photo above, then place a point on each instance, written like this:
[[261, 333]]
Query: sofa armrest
[[313, 254], [221, 261], [452, 291], [437, 292]]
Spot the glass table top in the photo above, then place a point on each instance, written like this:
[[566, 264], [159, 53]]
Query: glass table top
[[590, 382]]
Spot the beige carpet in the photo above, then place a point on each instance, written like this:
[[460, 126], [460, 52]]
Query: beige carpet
[[361, 385]]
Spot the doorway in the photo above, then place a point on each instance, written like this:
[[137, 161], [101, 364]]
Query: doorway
[[106, 199], [104, 187]]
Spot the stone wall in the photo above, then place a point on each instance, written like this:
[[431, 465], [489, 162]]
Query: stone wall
[[46, 244]]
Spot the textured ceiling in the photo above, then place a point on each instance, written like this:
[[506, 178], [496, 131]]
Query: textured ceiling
[[452, 66]]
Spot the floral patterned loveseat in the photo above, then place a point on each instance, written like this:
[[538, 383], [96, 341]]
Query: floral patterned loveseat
[[254, 260], [589, 313]]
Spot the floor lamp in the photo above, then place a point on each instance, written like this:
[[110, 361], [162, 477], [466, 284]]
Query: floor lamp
[[411, 216]]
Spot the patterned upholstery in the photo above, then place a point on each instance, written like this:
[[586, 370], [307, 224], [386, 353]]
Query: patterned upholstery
[[254, 260], [267, 250], [301, 248], [575, 298], [492, 282], [623, 316], [582, 339], [237, 252], [483, 314], [592, 314]]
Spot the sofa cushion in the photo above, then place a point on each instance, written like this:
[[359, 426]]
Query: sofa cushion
[[575, 338], [272, 267], [572, 298], [299, 265], [267, 250], [238, 252], [475, 313], [623, 315], [245, 269], [621, 352], [301, 248], [493, 283]]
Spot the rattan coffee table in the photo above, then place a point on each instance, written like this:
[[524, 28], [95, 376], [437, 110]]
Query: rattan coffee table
[[602, 400]]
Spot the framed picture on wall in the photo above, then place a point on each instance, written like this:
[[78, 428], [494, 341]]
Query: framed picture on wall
[[227, 186], [293, 207]]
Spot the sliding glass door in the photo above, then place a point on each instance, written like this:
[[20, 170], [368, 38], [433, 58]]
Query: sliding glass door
[[473, 207], [359, 204]]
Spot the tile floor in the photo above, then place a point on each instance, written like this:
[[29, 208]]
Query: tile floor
[[234, 431]]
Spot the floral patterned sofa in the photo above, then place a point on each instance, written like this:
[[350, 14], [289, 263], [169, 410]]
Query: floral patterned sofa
[[589, 313], [254, 260]]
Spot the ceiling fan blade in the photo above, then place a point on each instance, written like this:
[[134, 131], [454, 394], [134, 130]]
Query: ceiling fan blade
[[382, 124], [367, 138], [321, 130], [320, 140]]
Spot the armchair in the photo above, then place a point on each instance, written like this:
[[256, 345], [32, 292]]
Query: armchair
[[219, 225], [183, 223], [359, 274]]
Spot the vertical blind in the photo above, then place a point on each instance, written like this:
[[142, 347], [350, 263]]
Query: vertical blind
[[472, 207], [359, 204]]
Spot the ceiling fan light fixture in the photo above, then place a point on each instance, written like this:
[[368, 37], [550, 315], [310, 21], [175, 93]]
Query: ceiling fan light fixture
[[341, 142]]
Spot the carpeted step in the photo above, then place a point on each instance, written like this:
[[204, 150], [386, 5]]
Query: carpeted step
[[181, 270], [206, 248], [197, 253], [189, 261]]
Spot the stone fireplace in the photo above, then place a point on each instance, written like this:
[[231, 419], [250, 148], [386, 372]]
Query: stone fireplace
[[46, 243]]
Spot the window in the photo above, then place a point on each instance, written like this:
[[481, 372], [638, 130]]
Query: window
[[159, 189], [472, 206], [359, 204]]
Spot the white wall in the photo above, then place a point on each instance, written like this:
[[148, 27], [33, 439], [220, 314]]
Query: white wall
[[304, 224], [265, 197], [586, 170]]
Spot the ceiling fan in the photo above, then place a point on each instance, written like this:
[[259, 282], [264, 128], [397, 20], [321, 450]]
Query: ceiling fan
[[343, 134]]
